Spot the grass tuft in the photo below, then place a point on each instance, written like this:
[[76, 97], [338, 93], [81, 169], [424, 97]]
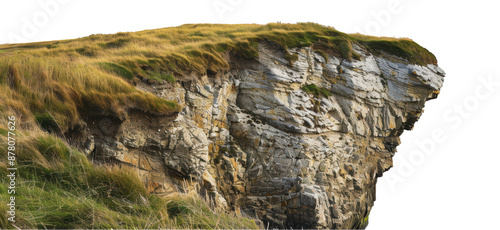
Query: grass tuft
[[117, 69], [406, 49], [116, 43], [291, 57], [86, 51], [323, 54], [47, 122], [247, 49], [317, 92], [161, 75]]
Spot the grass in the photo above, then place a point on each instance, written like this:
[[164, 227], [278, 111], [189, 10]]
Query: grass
[[96, 74], [317, 92], [323, 54], [161, 75], [47, 122], [117, 69], [291, 58], [404, 48], [71, 89], [363, 223], [57, 187]]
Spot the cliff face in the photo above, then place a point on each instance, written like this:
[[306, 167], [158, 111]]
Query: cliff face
[[298, 142]]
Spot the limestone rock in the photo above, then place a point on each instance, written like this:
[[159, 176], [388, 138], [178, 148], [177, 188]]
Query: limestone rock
[[255, 141]]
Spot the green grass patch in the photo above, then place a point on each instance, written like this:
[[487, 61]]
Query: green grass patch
[[117, 69], [87, 51], [47, 122], [121, 42], [317, 92], [344, 46], [247, 49], [323, 54], [406, 49], [291, 58], [4, 132], [160, 75]]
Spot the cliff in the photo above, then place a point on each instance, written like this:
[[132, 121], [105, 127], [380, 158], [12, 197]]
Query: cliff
[[291, 124]]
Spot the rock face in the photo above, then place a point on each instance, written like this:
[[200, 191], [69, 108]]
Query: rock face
[[257, 143]]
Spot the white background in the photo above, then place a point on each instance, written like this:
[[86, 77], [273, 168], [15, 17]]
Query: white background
[[449, 181]]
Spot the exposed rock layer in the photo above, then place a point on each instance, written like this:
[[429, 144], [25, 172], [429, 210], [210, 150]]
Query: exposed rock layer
[[256, 142]]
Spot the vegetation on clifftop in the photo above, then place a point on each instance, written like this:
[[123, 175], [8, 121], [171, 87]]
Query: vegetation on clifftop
[[96, 73]]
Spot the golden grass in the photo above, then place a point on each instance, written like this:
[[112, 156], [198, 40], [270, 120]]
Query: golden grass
[[68, 77], [66, 88]]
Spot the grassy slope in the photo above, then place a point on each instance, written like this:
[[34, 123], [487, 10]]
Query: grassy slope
[[58, 82], [57, 187]]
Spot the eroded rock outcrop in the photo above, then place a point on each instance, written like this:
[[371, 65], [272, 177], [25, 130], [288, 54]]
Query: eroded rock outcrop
[[255, 141]]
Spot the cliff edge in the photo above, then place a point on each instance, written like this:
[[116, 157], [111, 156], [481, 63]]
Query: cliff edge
[[291, 124]]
